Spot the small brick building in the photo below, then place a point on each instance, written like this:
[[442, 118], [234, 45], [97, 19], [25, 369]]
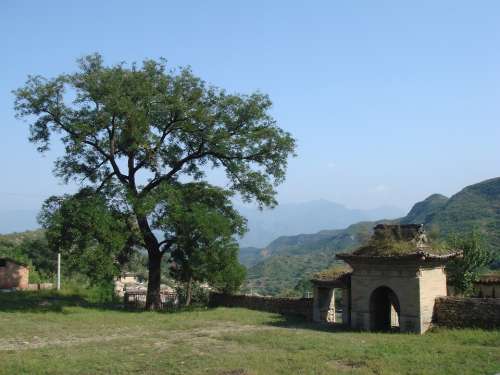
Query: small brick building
[[395, 280], [13, 274]]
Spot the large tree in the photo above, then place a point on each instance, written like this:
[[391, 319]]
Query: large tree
[[129, 131]]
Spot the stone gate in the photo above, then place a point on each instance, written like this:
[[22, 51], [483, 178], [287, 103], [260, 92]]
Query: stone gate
[[395, 280]]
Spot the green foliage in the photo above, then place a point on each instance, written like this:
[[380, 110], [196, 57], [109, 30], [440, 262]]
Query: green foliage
[[204, 223], [304, 288], [464, 271], [199, 294], [95, 239], [230, 275]]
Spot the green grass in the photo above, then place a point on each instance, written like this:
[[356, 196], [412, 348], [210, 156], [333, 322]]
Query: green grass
[[60, 334]]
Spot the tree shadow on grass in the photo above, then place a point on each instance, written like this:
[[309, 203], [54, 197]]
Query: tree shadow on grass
[[48, 301], [300, 322], [53, 301]]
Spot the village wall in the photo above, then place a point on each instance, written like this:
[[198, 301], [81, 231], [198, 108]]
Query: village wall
[[458, 312], [286, 306], [490, 290], [13, 275]]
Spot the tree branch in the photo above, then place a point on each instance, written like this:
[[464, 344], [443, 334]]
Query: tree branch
[[166, 131], [177, 167], [167, 244], [105, 180], [94, 144]]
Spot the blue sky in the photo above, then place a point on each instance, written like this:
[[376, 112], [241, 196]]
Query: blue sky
[[390, 101]]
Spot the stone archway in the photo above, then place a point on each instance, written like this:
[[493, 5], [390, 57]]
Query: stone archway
[[324, 304], [384, 310]]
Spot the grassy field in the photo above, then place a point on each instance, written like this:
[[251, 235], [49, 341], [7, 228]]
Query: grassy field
[[54, 334]]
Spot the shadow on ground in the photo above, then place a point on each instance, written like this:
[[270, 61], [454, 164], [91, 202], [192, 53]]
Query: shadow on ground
[[48, 301], [53, 301], [299, 322]]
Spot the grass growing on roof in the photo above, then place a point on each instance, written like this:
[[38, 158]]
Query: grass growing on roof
[[333, 272]]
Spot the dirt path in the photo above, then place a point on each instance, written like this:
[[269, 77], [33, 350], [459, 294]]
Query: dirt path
[[162, 338]]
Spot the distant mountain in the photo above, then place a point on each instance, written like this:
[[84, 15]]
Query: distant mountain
[[309, 217], [289, 260]]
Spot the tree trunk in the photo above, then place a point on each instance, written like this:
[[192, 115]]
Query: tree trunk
[[153, 299], [189, 291]]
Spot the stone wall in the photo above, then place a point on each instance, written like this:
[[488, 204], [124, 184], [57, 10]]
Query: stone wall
[[459, 312], [286, 306], [13, 275], [40, 286]]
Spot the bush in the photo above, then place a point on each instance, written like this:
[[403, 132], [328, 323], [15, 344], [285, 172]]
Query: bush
[[464, 271], [200, 295], [102, 292]]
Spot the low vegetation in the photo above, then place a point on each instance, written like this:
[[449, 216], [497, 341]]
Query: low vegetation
[[48, 333]]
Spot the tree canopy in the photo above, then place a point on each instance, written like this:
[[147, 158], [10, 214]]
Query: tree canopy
[[95, 239], [205, 223]]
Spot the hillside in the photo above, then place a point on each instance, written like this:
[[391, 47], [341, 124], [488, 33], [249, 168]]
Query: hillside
[[16, 238], [288, 219], [292, 259], [250, 256], [476, 206], [423, 212]]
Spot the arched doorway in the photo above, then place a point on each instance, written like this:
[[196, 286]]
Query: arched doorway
[[384, 310]]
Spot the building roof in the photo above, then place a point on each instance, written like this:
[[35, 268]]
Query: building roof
[[6, 259], [336, 276], [489, 278], [407, 242]]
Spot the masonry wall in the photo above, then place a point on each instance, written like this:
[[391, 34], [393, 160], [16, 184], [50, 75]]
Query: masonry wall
[[13, 275], [286, 306], [404, 281], [456, 312], [488, 290], [432, 285]]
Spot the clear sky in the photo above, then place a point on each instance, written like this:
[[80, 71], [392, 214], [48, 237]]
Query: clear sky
[[390, 101]]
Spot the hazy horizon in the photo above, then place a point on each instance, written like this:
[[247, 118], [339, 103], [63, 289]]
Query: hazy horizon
[[389, 102]]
